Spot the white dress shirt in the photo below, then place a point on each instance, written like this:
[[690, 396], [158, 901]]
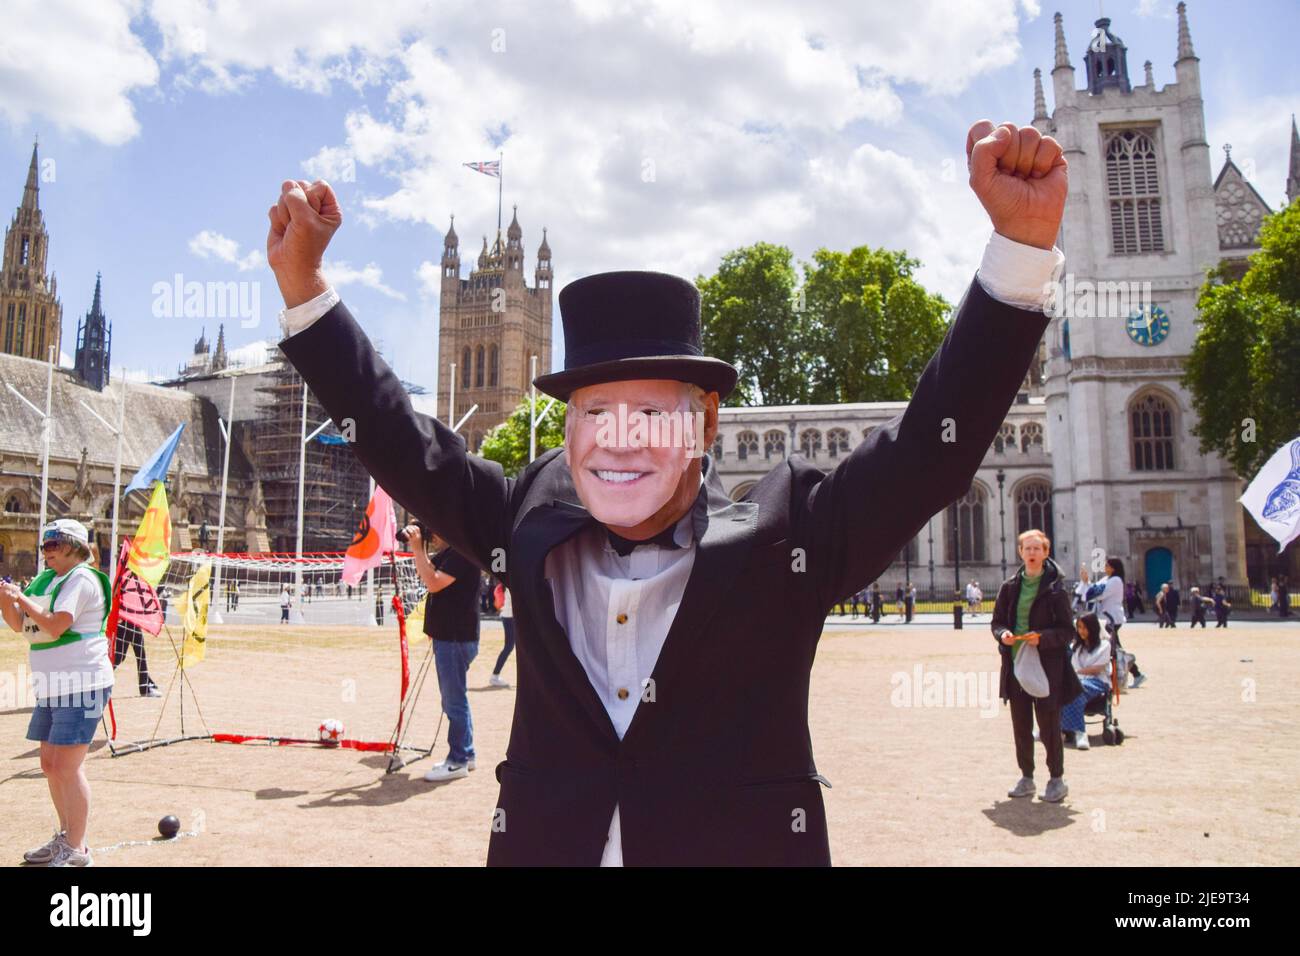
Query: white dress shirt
[[617, 610]]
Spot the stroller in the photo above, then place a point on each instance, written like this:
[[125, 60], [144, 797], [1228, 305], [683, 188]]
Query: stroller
[[1104, 706]]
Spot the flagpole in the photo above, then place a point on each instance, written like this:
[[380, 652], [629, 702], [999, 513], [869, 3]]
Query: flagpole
[[501, 175], [117, 474], [227, 427], [532, 410], [302, 465], [368, 613], [117, 467]]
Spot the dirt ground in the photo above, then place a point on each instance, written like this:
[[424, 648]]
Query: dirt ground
[[905, 724]]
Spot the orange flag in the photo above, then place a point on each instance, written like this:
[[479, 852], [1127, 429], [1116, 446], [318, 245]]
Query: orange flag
[[375, 537]]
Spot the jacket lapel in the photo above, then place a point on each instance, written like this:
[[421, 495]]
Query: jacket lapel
[[721, 549], [552, 514], [542, 527]]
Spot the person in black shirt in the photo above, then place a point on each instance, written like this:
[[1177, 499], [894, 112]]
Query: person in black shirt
[[451, 621]]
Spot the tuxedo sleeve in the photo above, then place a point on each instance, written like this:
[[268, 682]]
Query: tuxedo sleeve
[[856, 519], [417, 459]]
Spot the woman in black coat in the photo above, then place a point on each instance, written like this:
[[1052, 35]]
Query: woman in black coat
[[1046, 623]]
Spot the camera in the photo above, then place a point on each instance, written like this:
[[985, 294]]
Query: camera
[[424, 531]]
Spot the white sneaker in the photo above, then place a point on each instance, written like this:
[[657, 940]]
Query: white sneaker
[[65, 855], [447, 771], [1081, 741], [496, 680], [47, 852]]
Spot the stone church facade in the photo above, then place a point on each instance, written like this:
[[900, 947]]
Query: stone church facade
[[1098, 451]]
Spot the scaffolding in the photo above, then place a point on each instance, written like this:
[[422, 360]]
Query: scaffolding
[[336, 488]]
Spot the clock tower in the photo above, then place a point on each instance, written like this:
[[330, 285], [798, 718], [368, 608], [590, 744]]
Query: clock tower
[[1140, 230]]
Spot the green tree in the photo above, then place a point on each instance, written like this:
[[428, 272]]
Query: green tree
[[508, 442], [872, 325], [749, 318], [1244, 369], [859, 328]]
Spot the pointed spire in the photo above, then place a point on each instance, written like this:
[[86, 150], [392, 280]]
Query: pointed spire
[[1062, 55], [1184, 35], [483, 256], [1151, 80], [219, 360], [1040, 101], [544, 250], [514, 230], [451, 238], [31, 192], [1293, 175], [96, 309]]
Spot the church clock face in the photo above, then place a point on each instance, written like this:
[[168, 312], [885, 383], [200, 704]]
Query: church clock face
[[1149, 326]]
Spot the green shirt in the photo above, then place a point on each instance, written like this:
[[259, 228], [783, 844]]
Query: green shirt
[[1028, 591]]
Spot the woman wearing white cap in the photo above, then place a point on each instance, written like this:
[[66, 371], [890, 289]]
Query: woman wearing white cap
[[62, 614]]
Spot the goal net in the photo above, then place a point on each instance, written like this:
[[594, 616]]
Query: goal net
[[291, 655]]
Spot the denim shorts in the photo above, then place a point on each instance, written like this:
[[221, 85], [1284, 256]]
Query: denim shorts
[[68, 720]]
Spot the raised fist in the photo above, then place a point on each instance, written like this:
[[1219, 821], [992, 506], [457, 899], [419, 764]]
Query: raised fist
[[1020, 178], [302, 224]]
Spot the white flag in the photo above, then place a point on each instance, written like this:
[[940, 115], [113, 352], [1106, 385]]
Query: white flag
[[1274, 496]]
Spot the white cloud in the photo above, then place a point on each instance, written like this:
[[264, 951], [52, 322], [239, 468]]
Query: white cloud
[[340, 273], [430, 276], [254, 353], [1259, 129], [74, 64], [213, 245]]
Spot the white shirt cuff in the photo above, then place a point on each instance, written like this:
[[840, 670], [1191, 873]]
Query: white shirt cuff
[[293, 321], [1020, 275]]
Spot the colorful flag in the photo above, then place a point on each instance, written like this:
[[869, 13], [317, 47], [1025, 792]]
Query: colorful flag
[[139, 604], [490, 168], [1274, 495], [194, 616], [155, 469], [376, 536], [151, 547]]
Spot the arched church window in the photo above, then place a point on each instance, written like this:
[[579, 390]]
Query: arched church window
[[1151, 433], [774, 443], [1133, 190], [1033, 501], [966, 524]]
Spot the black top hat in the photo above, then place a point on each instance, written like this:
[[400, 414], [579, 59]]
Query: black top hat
[[627, 325]]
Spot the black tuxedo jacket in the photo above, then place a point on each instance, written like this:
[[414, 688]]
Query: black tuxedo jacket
[[718, 769]]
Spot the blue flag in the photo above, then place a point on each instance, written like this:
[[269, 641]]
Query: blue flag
[[155, 469]]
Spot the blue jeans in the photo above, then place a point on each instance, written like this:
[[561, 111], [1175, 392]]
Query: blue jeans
[[452, 659], [1072, 713]]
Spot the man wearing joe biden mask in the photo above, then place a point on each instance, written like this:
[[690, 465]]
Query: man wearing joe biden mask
[[636, 581]]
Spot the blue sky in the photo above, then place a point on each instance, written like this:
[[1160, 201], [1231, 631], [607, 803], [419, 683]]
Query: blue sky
[[643, 135]]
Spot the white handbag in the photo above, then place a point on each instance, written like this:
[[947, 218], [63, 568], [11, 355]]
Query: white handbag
[[1029, 669]]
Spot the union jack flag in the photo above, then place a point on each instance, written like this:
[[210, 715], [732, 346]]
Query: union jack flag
[[490, 168]]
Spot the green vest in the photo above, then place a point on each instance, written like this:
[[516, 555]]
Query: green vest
[[38, 587]]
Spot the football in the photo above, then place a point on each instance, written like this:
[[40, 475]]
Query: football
[[331, 731]]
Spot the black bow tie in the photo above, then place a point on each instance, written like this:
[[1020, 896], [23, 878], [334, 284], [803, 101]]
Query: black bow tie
[[624, 546]]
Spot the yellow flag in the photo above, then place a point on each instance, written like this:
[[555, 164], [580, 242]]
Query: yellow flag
[[151, 547], [194, 617]]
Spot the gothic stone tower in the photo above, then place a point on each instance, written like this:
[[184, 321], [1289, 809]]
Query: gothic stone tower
[[490, 325], [31, 317], [1128, 478], [94, 344]]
